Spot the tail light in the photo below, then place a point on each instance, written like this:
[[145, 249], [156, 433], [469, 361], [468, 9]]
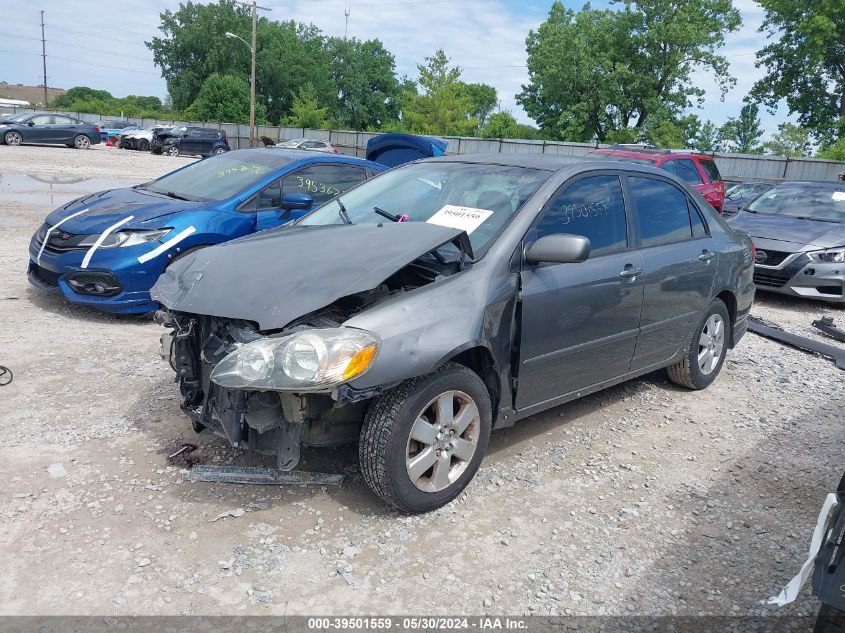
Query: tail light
[[334, 150], [96, 128]]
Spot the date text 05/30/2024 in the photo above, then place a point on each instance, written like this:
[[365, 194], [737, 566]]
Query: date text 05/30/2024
[[421, 623]]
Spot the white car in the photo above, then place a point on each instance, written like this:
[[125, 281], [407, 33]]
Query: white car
[[309, 144]]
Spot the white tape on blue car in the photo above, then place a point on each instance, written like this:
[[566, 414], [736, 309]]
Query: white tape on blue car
[[53, 228], [173, 241], [102, 239]]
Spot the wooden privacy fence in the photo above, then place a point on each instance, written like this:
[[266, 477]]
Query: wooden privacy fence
[[734, 167]]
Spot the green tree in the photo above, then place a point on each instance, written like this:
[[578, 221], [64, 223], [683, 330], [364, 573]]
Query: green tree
[[222, 98], [367, 90], [483, 100], [81, 93], [306, 110], [791, 140], [834, 151], [501, 125], [805, 64], [707, 138], [444, 106], [594, 72], [743, 134], [193, 46]]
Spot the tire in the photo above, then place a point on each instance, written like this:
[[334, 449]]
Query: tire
[[172, 151], [217, 151], [690, 372], [142, 145], [13, 138], [387, 450], [829, 620], [81, 142]]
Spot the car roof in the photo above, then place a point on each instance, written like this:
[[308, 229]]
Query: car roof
[[813, 183], [647, 153], [549, 162]]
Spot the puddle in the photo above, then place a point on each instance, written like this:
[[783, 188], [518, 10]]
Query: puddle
[[54, 190]]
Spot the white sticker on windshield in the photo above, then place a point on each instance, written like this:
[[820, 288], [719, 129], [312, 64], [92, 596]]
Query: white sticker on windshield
[[464, 218], [839, 196]]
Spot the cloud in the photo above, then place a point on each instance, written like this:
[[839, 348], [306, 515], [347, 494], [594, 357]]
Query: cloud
[[486, 38]]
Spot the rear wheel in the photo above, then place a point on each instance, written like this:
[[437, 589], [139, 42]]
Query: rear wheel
[[82, 142], [706, 353], [423, 441], [13, 138], [172, 151], [218, 151]]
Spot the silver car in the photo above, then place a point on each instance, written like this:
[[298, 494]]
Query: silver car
[[446, 298], [309, 144], [798, 229]]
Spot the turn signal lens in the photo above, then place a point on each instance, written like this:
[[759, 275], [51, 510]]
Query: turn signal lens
[[359, 363]]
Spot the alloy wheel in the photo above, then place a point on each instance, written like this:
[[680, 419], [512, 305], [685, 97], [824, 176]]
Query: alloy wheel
[[13, 138], [711, 344], [443, 441], [81, 142]]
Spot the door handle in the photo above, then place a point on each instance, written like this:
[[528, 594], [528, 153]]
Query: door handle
[[706, 256], [630, 272]]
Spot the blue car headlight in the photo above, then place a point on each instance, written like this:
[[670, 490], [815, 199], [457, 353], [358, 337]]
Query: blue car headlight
[[126, 238]]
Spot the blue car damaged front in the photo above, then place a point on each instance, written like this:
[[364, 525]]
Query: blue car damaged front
[[106, 250]]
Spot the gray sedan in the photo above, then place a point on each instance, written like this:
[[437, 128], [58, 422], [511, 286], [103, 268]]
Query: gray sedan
[[799, 231], [43, 127], [446, 298]]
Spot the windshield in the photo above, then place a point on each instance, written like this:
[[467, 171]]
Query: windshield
[[480, 199], [17, 117], [815, 202], [216, 178]]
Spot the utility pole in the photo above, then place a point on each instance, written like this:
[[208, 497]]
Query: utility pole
[[44, 58], [347, 9], [255, 7]]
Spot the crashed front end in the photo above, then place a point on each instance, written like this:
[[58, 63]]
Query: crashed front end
[[229, 377], [273, 372]]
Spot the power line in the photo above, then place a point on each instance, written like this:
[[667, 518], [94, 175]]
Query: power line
[[82, 62]]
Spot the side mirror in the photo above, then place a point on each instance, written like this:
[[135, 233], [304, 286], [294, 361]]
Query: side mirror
[[561, 248], [30, 123], [292, 201]]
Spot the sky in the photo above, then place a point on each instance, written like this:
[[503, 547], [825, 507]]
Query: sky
[[485, 38]]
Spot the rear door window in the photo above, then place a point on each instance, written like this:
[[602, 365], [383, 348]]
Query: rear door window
[[686, 170], [323, 182], [662, 212], [592, 207], [711, 170]]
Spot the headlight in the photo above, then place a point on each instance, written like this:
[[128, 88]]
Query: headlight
[[126, 238], [834, 255], [305, 361]]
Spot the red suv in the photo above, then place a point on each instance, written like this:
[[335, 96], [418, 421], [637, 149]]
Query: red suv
[[699, 170]]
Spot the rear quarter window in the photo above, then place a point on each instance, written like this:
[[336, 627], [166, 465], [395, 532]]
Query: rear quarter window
[[711, 170]]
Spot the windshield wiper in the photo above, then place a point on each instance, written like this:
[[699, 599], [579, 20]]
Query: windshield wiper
[[176, 196], [804, 217], [344, 214], [390, 216]]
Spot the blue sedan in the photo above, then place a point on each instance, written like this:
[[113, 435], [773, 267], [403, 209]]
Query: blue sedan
[[107, 249]]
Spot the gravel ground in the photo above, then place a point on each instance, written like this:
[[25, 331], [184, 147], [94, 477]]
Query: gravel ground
[[644, 498]]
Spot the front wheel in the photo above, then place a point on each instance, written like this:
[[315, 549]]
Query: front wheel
[[82, 142], [423, 441], [219, 150], [172, 151], [142, 145], [13, 138], [706, 353]]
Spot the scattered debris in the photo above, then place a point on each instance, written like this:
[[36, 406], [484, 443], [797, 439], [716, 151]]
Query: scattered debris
[[825, 324], [57, 470], [237, 512], [260, 476], [181, 455], [800, 342]]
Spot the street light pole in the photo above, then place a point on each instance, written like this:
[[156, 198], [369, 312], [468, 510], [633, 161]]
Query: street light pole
[[252, 49]]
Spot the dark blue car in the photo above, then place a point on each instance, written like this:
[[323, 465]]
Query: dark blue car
[[106, 250]]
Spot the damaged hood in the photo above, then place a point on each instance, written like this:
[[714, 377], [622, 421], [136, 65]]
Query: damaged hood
[[276, 276], [97, 212]]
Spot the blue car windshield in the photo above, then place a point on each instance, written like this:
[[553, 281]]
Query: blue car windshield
[[217, 178], [815, 202], [479, 198]]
